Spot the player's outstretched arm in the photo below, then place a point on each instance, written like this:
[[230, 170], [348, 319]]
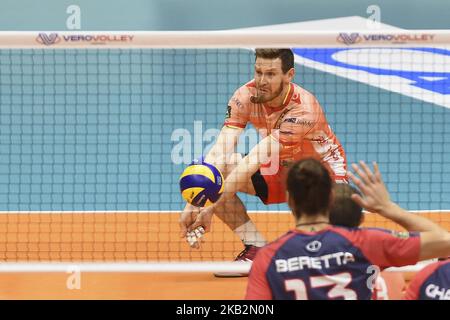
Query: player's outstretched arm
[[187, 218], [239, 177], [218, 156], [242, 173], [435, 241], [225, 145]]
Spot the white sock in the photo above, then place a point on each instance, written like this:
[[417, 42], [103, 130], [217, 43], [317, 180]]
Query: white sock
[[249, 235]]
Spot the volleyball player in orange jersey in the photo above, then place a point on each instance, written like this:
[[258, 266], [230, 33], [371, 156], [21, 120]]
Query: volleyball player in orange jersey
[[292, 125]]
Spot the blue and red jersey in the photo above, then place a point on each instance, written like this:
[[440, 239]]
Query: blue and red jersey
[[431, 283], [333, 263]]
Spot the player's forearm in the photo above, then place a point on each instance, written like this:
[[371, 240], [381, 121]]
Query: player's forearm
[[217, 157], [410, 221], [223, 148], [242, 173], [239, 177]]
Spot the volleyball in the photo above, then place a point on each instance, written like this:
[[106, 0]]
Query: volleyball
[[201, 184]]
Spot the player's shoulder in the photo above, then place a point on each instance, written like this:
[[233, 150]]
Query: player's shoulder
[[303, 97], [443, 269], [346, 231], [304, 104], [428, 271], [379, 231], [444, 264], [435, 266], [367, 237], [243, 93], [393, 233], [359, 234]]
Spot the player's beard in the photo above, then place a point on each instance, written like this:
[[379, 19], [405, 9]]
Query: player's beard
[[258, 98]]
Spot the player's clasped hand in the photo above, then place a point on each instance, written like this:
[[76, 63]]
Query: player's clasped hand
[[204, 218], [193, 237], [194, 222]]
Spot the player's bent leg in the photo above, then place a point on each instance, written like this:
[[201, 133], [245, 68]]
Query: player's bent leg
[[234, 214], [232, 162]]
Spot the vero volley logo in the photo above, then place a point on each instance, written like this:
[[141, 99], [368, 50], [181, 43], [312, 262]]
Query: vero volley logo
[[94, 39], [353, 38], [349, 38], [48, 39]]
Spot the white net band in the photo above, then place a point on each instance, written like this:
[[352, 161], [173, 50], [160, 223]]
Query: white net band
[[221, 39]]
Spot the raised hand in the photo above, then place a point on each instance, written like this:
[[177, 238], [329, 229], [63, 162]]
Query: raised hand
[[375, 194]]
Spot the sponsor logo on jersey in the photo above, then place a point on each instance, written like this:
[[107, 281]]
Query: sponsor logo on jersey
[[302, 122], [236, 100], [296, 98], [435, 292], [228, 114], [306, 262], [320, 140], [314, 246], [401, 235]]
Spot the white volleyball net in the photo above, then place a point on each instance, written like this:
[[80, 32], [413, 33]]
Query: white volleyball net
[[95, 129]]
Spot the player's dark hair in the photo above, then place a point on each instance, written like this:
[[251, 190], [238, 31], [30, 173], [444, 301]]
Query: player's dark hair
[[309, 185], [344, 211], [286, 56]]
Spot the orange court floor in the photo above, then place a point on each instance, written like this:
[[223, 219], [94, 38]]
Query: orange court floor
[[121, 286], [119, 237], [125, 286]]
